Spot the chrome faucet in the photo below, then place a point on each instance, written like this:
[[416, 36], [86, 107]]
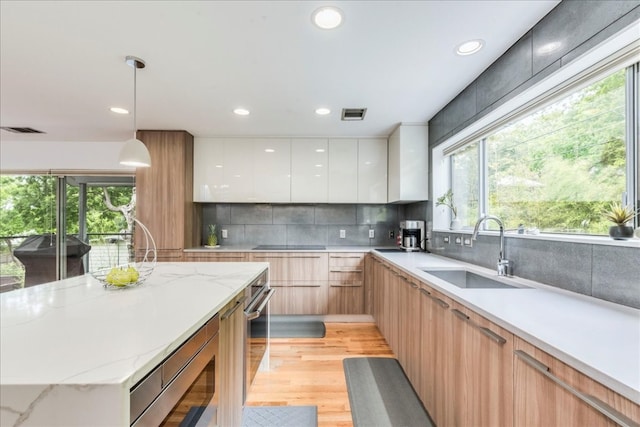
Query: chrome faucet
[[504, 265]]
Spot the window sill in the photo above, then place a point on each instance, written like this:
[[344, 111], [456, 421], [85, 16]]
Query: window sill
[[591, 240]]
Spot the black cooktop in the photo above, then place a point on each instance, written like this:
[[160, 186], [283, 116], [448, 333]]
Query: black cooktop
[[289, 248]]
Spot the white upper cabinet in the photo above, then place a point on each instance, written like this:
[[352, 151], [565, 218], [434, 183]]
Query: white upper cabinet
[[284, 170], [372, 170], [343, 170], [309, 170], [409, 164], [272, 170]]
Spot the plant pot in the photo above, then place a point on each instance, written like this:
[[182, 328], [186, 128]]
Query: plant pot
[[621, 232], [455, 224]]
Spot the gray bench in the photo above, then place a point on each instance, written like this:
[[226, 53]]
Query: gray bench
[[381, 395]]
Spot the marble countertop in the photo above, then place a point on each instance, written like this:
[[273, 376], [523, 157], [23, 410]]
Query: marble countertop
[[598, 338], [72, 342]]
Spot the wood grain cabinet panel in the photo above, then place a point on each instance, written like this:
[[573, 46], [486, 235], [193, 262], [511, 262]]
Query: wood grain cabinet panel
[[301, 280], [409, 327], [436, 387], [540, 401], [482, 360], [346, 283], [215, 256], [164, 194]]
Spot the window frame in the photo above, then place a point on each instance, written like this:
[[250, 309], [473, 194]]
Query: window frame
[[619, 52]]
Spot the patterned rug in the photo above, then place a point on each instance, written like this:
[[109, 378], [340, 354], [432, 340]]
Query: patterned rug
[[280, 416]]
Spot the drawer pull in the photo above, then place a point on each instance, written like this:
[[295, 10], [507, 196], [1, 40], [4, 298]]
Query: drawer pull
[[345, 256], [232, 310], [435, 299], [485, 331], [597, 404], [345, 271]]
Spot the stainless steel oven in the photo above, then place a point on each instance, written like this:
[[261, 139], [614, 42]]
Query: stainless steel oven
[[183, 389], [257, 313]]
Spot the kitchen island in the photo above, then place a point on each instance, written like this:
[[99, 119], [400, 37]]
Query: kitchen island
[[71, 350]]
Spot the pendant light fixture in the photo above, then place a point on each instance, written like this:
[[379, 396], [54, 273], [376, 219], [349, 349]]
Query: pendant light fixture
[[134, 152]]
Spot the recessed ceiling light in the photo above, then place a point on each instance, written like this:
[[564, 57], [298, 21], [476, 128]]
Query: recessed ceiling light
[[319, 150], [323, 111], [327, 17], [470, 47], [269, 150], [548, 48], [318, 166], [241, 111], [119, 110]]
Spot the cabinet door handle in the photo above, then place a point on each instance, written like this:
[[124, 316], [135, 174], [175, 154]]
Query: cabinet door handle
[[345, 271], [485, 331], [600, 406], [304, 256], [256, 313], [345, 256], [435, 299], [269, 257], [232, 310]]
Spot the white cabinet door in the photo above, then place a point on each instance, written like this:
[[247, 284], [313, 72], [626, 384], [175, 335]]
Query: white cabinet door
[[272, 170], [343, 170], [409, 164], [309, 170], [208, 159], [372, 170], [238, 171]]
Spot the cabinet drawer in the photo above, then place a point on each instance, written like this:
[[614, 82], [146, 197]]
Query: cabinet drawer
[[346, 277], [353, 260], [163, 255], [215, 257]]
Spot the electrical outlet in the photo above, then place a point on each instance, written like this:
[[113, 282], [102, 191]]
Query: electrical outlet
[[446, 239], [391, 234], [343, 234], [458, 240], [468, 242], [372, 234], [225, 235]]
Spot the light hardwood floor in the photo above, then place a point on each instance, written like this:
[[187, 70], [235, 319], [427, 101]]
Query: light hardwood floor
[[309, 371]]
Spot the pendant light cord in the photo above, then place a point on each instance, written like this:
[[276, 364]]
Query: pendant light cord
[[135, 91]]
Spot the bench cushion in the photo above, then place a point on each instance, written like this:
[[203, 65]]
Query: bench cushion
[[381, 395]]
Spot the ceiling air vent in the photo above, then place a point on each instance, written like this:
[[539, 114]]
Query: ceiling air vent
[[20, 130], [353, 113]]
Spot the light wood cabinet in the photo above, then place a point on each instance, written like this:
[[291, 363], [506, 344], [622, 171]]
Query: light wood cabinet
[[409, 164], [436, 388], [309, 170], [409, 327], [301, 280], [482, 370], [164, 194], [231, 352], [215, 256], [548, 392], [346, 283]]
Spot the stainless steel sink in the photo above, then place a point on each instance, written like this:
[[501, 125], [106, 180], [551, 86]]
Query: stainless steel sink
[[469, 280]]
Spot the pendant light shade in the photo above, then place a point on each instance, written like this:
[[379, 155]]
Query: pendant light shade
[[134, 152]]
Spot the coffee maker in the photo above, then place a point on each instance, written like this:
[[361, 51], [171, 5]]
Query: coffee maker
[[412, 236]]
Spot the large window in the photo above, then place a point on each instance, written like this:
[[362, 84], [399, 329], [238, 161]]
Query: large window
[[554, 169]]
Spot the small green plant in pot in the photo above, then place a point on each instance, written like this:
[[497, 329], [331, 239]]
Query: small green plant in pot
[[447, 200], [212, 239], [621, 216]]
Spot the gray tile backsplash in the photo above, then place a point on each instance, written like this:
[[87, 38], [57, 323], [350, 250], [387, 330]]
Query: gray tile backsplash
[[602, 271], [303, 224]]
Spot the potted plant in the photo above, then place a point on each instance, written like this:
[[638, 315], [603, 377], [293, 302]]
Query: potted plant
[[447, 200], [621, 216], [212, 239]]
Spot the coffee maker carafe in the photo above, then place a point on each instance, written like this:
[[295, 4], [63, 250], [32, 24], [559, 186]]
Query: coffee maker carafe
[[412, 236]]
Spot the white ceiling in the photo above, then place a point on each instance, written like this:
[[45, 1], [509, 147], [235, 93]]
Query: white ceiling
[[62, 64]]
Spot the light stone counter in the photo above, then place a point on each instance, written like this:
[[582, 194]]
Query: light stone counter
[[598, 338], [71, 350]]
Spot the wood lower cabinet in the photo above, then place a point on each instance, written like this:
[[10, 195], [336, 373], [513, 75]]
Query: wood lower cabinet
[[215, 257], [409, 328], [482, 362], [231, 352], [164, 194], [547, 391], [300, 280], [346, 283], [435, 387]]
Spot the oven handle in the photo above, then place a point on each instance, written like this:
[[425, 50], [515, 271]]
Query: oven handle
[[255, 314]]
